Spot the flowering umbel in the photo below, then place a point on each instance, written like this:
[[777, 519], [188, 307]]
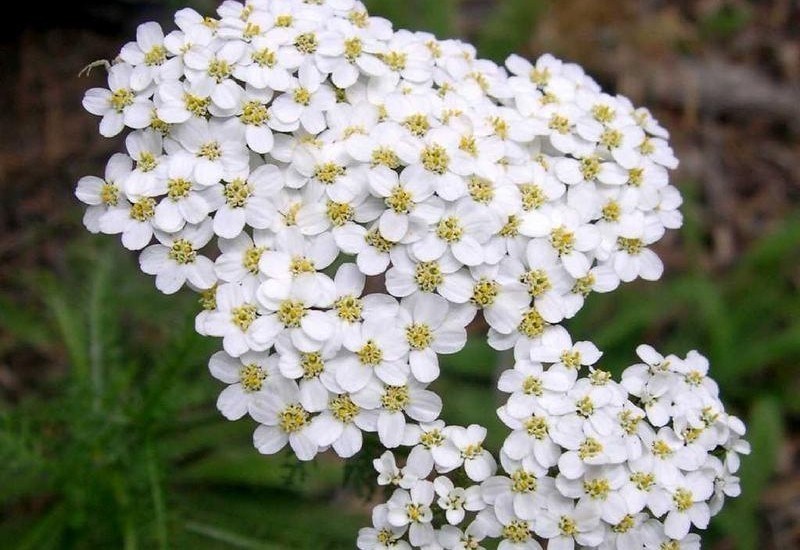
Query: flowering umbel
[[285, 150]]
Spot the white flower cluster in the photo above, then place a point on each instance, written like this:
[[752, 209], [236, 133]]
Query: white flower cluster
[[286, 150], [589, 461]]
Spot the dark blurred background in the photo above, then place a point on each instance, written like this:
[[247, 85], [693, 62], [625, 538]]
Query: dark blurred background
[[108, 433]]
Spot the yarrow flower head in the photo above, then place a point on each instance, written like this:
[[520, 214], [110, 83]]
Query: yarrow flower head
[[283, 151]]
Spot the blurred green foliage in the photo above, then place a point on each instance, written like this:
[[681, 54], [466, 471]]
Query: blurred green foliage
[[124, 448]]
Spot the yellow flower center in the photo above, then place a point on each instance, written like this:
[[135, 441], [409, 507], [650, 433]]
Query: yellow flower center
[[237, 192], [517, 531], [384, 156], [537, 280], [254, 113], [339, 213], [523, 482], [109, 194], [243, 316], [532, 196], [562, 240], [484, 292], [419, 335], [143, 209], [121, 98], [348, 308], [480, 189], [536, 426], [597, 489], [589, 448], [306, 43], [196, 105], [370, 354], [399, 200], [219, 69], [252, 377], [327, 173], [211, 151], [435, 159], [252, 257], [292, 419], [532, 324], [156, 56], [428, 276], [291, 312], [395, 398], [182, 252], [343, 408], [312, 365], [449, 229], [631, 246]]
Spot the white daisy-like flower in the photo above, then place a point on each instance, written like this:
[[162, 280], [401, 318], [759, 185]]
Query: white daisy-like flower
[[283, 420], [177, 260], [149, 57], [478, 462], [413, 508], [564, 524], [240, 256], [430, 329], [239, 321], [456, 500], [382, 535], [304, 102], [246, 375], [218, 147], [248, 201], [186, 200], [101, 194], [119, 105]]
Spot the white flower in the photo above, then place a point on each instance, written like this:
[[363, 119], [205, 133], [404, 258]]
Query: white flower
[[684, 502], [149, 57], [288, 306], [410, 207], [212, 67], [240, 256], [346, 51], [379, 351], [304, 102], [283, 420], [133, 220], [556, 347], [186, 200], [430, 331], [176, 260], [455, 500], [563, 524], [248, 201], [410, 398], [386, 466], [413, 508], [247, 376], [570, 238], [312, 371], [383, 535], [219, 149], [101, 194], [340, 425], [372, 250], [462, 229], [237, 320], [478, 462], [408, 275], [432, 439], [120, 105], [599, 487]]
